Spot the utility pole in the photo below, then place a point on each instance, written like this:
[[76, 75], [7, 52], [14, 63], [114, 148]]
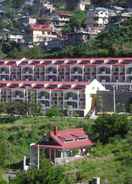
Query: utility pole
[[114, 99]]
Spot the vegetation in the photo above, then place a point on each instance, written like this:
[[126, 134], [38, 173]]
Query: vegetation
[[114, 41], [20, 108], [106, 128], [110, 158], [54, 112], [77, 20]]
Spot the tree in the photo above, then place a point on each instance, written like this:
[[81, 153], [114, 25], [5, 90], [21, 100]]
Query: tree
[[54, 112], [108, 126], [47, 174], [17, 107], [4, 152], [78, 19], [33, 107]]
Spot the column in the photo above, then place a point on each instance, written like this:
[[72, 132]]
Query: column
[[50, 153], [78, 100], [38, 157], [50, 99], [54, 154], [0, 95], [125, 73]]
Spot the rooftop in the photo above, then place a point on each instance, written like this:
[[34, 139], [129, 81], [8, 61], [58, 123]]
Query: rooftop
[[55, 86], [41, 27], [69, 139]]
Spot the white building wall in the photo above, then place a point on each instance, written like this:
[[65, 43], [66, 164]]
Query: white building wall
[[90, 90], [39, 36]]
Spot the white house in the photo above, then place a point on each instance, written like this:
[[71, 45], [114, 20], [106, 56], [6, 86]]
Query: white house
[[43, 33], [16, 38], [97, 19]]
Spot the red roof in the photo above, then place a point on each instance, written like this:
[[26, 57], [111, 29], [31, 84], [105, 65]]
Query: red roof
[[70, 139], [42, 27], [91, 62], [64, 13], [44, 84]]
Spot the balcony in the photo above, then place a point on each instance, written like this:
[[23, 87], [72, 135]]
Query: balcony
[[70, 105], [76, 71], [18, 97], [27, 77], [43, 95], [103, 72], [71, 97], [129, 71], [4, 77], [27, 71], [43, 98], [51, 71], [76, 78]]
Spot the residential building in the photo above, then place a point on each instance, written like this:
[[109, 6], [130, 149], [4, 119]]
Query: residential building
[[43, 33], [97, 19], [106, 70], [83, 4], [61, 146], [53, 45], [74, 38], [32, 20], [72, 97], [16, 38], [60, 19]]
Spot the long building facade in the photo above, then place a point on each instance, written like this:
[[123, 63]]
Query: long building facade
[[72, 97], [105, 70], [64, 82]]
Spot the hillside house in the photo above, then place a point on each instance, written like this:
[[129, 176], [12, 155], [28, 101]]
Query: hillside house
[[60, 19], [97, 19], [61, 146], [43, 33]]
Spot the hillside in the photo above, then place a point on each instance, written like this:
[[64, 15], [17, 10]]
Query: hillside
[[110, 161]]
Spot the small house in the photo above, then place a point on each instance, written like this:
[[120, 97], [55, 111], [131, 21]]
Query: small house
[[61, 146], [43, 33]]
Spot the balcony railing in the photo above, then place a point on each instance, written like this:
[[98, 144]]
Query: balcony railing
[[43, 98]]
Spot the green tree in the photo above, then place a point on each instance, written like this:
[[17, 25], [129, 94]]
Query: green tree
[[78, 19], [4, 152], [107, 127], [17, 107], [47, 174], [54, 112]]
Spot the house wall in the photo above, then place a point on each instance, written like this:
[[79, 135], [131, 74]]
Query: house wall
[[90, 90], [40, 36]]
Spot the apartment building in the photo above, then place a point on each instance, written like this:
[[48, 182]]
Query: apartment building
[[72, 97], [63, 82], [105, 70]]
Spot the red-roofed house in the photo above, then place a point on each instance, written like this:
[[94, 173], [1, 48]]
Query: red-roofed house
[[61, 146], [43, 33]]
